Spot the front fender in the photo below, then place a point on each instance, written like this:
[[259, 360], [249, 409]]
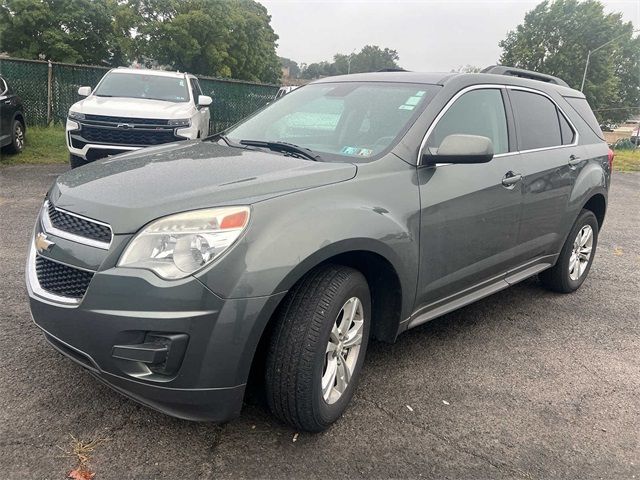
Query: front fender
[[291, 234]]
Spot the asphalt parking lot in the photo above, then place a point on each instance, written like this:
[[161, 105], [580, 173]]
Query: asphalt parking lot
[[523, 384]]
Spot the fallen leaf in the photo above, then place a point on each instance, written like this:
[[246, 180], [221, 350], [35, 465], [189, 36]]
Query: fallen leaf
[[81, 474], [295, 437], [617, 251], [445, 402], [409, 407]]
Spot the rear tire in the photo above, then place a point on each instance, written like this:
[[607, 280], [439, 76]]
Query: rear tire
[[76, 161], [572, 268], [314, 359]]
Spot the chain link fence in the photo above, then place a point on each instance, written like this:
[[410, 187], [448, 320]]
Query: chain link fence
[[49, 89]]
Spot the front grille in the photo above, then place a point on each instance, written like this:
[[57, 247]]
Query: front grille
[[61, 279], [128, 120], [79, 226], [128, 136]]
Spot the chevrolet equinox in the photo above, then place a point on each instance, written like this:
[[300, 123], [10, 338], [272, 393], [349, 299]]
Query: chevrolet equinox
[[353, 208]]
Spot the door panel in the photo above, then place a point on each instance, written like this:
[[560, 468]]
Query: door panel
[[547, 184], [468, 230], [469, 217], [549, 161]]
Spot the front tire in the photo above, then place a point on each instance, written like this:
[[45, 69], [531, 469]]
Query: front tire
[[576, 257], [17, 137], [318, 347]]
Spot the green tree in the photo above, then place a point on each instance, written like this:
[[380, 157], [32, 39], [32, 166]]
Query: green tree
[[555, 39], [75, 31], [225, 38], [370, 59], [294, 68]]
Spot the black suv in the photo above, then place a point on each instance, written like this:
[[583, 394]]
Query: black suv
[[352, 208], [12, 124]]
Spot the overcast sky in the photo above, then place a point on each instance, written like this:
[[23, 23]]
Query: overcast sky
[[429, 35]]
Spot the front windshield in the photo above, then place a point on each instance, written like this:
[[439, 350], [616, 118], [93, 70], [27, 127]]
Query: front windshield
[[151, 87], [347, 119]]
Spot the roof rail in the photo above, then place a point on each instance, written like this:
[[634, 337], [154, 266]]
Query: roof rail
[[397, 69], [519, 72]]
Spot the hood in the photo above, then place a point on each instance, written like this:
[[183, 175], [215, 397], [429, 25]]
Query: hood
[[133, 107], [130, 190]]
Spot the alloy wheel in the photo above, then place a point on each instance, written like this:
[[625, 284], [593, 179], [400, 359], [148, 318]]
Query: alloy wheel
[[19, 136], [342, 350], [581, 253]]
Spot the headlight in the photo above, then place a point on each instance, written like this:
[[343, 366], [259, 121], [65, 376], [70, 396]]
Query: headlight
[[182, 122], [76, 115], [178, 245]]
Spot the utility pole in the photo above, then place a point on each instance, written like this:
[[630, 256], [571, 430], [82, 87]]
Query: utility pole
[[586, 67]]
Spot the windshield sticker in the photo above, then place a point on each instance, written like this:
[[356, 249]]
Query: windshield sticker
[[406, 107], [420, 93], [413, 101], [359, 152], [182, 83]]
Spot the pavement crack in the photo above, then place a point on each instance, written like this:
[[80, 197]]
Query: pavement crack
[[496, 464]]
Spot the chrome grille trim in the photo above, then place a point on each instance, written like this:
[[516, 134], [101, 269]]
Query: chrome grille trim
[[37, 290], [50, 228]]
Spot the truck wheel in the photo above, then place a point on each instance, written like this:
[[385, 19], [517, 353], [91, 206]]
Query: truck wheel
[[17, 137], [318, 347], [76, 161], [576, 257]]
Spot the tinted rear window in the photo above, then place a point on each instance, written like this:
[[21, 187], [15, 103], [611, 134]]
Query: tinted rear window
[[582, 108], [536, 120]]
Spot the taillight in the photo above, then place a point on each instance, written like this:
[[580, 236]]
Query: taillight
[[610, 158]]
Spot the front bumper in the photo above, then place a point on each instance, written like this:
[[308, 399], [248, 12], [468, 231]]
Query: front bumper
[[117, 142], [123, 306]]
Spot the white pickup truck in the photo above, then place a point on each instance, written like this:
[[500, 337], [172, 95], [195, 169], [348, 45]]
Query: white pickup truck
[[135, 108]]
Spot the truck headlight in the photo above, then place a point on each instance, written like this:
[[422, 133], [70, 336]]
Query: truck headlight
[[76, 115], [178, 245]]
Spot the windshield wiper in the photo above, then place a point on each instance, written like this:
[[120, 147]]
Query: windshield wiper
[[283, 147]]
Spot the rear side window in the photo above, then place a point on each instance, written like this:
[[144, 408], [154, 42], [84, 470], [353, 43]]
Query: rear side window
[[478, 112], [536, 118], [582, 108], [566, 131]]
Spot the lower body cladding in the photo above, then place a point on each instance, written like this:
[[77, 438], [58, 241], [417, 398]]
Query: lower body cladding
[[190, 364]]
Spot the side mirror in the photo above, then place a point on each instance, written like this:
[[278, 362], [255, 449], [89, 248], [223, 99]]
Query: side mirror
[[461, 149], [204, 100], [84, 91]]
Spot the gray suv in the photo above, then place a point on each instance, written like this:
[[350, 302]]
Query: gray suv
[[351, 209]]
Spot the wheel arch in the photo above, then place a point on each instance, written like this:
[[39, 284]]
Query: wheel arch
[[20, 117], [385, 284], [597, 203]]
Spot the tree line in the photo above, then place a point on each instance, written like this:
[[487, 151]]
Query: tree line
[[207, 37], [371, 58], [234, 38]]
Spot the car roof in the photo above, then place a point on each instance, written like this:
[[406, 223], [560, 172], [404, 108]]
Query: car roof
[[440, 78], [147, 71]]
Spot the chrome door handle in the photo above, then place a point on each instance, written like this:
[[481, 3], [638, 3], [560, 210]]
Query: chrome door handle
[[574, 160], [510, 179], [7, 101]]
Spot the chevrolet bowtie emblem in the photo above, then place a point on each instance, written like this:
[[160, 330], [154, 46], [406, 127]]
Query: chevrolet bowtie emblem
[[43, 243]]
